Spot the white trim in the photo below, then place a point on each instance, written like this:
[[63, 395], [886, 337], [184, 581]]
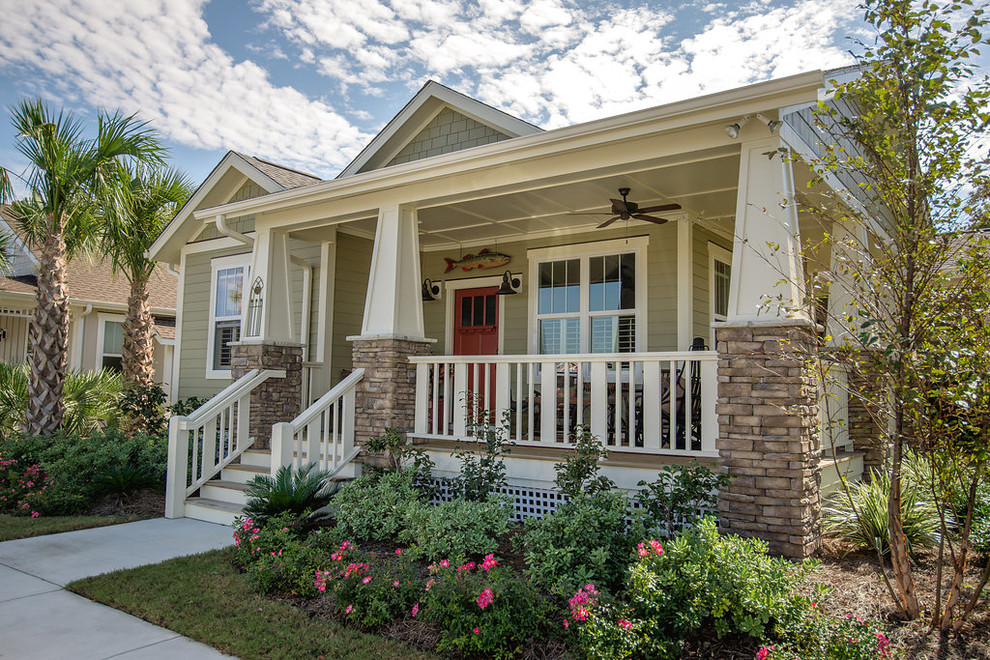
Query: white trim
[[450, 286], [685, 284], [719, 253], [583, 251], [103, 319], [213, 245], [180, 294], [217, 264]]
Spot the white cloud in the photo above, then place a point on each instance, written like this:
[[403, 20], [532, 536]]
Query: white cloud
[[158, 58]]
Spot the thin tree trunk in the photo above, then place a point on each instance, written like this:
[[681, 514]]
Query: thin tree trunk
[[138, 361], [49, 336]]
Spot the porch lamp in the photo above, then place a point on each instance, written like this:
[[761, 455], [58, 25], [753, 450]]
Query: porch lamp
[[732, 130], [510, 285], [431, 291], [772, 124]]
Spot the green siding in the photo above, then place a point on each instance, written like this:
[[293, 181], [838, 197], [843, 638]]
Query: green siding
[[702, 281], [449, 131], [661, 270], [350, 287]]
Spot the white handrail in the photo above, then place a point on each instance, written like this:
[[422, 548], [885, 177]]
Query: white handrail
[[205, 442], [321, 434], [650, 403]]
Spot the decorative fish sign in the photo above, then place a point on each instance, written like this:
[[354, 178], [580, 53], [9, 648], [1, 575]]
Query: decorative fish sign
[[484, 259]]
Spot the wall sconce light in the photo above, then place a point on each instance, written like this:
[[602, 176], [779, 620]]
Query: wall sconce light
[[431, 291], [510, 285], [772, 124], [732, 130]]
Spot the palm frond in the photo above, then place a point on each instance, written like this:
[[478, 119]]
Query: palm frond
[[302, 493]]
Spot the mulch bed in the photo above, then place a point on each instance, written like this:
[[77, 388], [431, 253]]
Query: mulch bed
[[146, 504]]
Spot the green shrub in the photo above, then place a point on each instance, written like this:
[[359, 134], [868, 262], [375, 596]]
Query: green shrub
[[186, 407], [275, 555], [583, 541], [374, 507], [817, 636], [124, 480], [677, 499], [579, 473], [301, 493], [699, 581], [368, 589], [483, 611], [399, 454], [482, 474], [458, 529], [22, 484], [144, 406], [860, 517]]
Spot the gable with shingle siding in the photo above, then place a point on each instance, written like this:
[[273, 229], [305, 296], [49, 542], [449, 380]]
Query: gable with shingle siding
[[449, 131]]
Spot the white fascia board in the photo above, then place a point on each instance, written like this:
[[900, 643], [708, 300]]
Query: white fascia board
[[674, 116], [481, 112], [170, 235]]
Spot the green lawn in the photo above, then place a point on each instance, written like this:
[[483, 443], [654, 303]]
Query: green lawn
[[205, 598], [22, 527]]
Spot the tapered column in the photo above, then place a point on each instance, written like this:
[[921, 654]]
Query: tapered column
[[268, 313], [394, 306]]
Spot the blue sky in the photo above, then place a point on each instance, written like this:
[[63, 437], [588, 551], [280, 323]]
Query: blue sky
[[308, 82]]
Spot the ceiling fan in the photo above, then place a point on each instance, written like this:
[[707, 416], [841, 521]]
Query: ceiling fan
[[624, 209]]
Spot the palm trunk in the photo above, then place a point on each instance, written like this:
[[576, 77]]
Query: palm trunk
[[138, 351], [49, 336]]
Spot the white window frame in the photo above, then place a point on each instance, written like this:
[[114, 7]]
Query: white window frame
[[584, 252], [216, 265], [716, 253], [101, 334]]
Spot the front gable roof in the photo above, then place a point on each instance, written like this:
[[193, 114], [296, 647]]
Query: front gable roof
[[226, 180], [437, 120]]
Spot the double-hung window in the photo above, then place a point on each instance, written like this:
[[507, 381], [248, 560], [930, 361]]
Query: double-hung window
[[589, 298], [111, 341], [228, 284], [719, 263]]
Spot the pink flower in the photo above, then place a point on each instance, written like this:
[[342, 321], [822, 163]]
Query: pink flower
[[429, 584], [444, 563], [35, 514], [350, 608], [622, 623], [582, 601], [395, 584], [398, 551], [415, 610], [763, 653], [366, 580], [476, 631], [657, 548], [467, 567], [485, 598], [567, 624], [641, 550], [489, 562]]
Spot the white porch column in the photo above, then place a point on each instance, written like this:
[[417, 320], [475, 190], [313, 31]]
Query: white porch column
[[685, 284], [766, 259], [394, 306], [271, 263]]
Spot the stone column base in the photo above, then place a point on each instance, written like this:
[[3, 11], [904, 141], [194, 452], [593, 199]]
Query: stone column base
[[386, 396], [768, 434], [277, 399]]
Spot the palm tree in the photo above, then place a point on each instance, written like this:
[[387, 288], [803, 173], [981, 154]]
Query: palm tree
[[66, 176], [147, 198]]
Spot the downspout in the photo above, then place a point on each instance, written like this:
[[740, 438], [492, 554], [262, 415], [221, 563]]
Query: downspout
[[221, 222], [77, 342]]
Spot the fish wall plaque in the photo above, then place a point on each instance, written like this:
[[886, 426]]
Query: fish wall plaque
[[484, 259]]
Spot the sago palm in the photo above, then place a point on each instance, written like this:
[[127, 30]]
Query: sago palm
[[147, 197], [67, 182]]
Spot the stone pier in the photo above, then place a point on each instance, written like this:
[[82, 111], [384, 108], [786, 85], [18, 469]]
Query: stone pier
[[277, 399]]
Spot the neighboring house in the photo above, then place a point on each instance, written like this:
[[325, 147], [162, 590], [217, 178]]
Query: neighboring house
[[463, 262], [97, 307]]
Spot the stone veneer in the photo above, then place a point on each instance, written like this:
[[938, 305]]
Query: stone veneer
[[864, 427], [768, 434], [386, 395], [277, 399]]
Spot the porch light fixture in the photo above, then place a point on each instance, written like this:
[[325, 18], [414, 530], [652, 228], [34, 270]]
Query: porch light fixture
[[510, 285], [732, 130], [772, 124], [431, 291]]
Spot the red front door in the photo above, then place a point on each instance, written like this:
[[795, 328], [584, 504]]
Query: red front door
[[476, 333]]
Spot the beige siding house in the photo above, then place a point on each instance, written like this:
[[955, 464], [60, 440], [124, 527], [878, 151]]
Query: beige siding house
[[612, 274], [97, 307]]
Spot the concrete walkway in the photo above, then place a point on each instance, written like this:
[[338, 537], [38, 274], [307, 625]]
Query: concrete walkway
[[39, 619]]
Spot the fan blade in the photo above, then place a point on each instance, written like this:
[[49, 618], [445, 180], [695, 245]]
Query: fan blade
[[601, 213], [662, 207], [650, 218], [619, 206], [608, 222]]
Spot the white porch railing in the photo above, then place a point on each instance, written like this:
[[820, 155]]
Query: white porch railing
[[202, 444], [654, 403], [321, 434]]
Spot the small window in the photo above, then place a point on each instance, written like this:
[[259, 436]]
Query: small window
[[720, 261], [226, 307], [111, 351]]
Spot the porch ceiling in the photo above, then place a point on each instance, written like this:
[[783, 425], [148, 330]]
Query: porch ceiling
[[704, 186]]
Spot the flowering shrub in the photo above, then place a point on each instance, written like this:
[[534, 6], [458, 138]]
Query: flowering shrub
[[458, 528], [370, 590], [275, 556], [699, 581], [820, 637], [583, 541], [20, 487], [482, 611]]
